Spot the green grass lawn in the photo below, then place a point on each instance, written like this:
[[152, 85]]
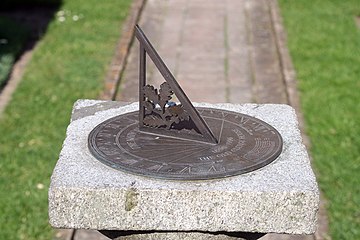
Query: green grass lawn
[[70, 62], [12, 39], [325, 46]]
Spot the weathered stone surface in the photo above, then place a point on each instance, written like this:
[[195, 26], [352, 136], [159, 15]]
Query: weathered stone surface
[[280, 197]]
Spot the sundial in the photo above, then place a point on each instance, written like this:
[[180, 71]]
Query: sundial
[[174, 140]]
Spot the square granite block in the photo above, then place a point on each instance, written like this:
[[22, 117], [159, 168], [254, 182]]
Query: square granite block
[[281, 197]]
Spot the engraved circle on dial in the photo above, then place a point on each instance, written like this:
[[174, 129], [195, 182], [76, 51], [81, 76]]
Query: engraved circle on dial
[[245, 144]]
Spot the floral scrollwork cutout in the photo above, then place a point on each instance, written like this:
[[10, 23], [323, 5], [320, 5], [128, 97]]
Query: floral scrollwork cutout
[[160, 112]]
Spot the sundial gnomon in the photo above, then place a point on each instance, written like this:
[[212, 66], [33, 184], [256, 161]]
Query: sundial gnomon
[[172, 140]]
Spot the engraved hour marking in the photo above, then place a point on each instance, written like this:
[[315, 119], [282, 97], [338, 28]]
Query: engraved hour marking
[[224, 114], [244, 120], [221, 130], [129, 161], [206, 158], [186, 169], [112, 126], [260, 127], [212, 169], [156, 168], [108, 135]]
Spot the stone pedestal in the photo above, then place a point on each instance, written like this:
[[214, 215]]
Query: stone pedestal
[[281, 197]]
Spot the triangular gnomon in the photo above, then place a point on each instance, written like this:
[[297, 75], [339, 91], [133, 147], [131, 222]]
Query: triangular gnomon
[[157, 114]]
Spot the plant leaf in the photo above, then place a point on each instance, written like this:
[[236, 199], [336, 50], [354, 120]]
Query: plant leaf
[[153, 121], [165, 94], [151, 94], [149, 107]]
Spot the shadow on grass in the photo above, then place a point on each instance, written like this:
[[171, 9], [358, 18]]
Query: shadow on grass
[[21, 27]]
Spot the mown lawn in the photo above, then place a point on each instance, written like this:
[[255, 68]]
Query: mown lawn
[[69, 63], [324, 42]]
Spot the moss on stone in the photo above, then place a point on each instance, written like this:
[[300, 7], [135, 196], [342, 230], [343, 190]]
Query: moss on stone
[[131, 199]]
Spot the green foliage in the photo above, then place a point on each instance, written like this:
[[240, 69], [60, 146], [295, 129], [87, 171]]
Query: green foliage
[[12, 39], [69, 63], [324, 44]]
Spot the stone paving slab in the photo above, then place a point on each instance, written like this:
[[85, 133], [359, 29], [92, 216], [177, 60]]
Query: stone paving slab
[[269, 85]]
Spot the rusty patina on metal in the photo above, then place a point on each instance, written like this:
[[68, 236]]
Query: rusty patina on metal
[[177, 141]]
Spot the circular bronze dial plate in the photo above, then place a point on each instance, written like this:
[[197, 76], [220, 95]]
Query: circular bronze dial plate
[[245, 144]]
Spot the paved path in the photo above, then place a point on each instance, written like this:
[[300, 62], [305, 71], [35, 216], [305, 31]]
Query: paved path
[[219, 51]]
